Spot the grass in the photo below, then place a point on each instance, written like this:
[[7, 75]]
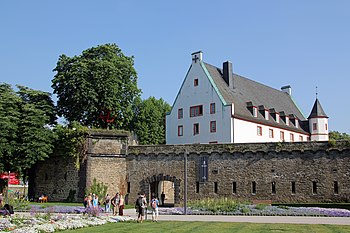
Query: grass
[[175, 226]]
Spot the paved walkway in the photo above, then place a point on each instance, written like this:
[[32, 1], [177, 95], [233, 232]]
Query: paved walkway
[[250, 219]]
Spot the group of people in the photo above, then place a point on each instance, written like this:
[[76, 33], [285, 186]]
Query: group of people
[[141, 207], [117, 202]]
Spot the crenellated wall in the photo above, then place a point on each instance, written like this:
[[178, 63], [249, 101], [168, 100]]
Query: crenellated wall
[[282, 172]]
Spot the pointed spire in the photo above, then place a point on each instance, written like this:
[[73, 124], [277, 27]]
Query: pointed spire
[[317, 110]]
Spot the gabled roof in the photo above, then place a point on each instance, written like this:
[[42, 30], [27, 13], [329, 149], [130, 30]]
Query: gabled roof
[[245, 90], [317, 110]]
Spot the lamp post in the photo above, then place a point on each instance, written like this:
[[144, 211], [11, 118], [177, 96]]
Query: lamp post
[[185, 184]]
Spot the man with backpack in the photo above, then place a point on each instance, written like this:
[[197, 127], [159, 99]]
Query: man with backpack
[[154, 205], [141, 205]]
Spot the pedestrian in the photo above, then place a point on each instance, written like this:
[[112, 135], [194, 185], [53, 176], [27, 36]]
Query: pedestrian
[[89, 200], [85, 203], [154, 205], [107, 203], [162, 197], [1, 198], [121, 205], [115, 204], [140, 206], [95, 201]]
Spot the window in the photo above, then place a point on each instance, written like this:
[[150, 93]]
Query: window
[[282, 136], [213, 142], [196, 111], [293, 187], [314, 126], [253, 187], [271, 133], [197, 187], [336, 187], [195, 82], [326, 126], [195, 128], [212, 126], [180, 130], [259, 131], [234, 187], [314, 187], [273, 187], [215, 187], [212, 108], [292, 137], [255, 112], [301, 138], [180, 113], [128, 188]]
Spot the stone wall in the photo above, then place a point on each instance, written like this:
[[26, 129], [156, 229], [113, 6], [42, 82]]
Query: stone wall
[[281, 172]]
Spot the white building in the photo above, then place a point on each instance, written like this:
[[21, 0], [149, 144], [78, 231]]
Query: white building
[[214, 105]]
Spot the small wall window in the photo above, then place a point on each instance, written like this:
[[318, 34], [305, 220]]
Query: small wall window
[[180, 130], [326, 126], [234, 187], [273, 187], [215, 187], [314, 187], [213, 142], [196, 129], [180, 113], [271, 133], [293, 187], [196, 111], [282, 136], [292, 137], [197, 187], [128, 189], [253, 187], [212, 126], [212, 108], [336, 187], [65, 176], [259, 130], [314, 126], [301, 138], [195, 82]]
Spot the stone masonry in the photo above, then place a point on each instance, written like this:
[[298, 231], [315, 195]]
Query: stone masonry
[[280, 172]]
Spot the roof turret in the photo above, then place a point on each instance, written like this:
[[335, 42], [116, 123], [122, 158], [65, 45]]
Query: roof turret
[[317, 110]]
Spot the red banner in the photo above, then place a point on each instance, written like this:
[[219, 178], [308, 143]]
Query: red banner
[[13, 177]]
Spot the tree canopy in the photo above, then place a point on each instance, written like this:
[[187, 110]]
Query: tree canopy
[[97, 88], [25, 134], [149, 122], [335, 135]]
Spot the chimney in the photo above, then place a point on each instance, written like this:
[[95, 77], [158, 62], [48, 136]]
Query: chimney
[[287, 89], [228, 73]]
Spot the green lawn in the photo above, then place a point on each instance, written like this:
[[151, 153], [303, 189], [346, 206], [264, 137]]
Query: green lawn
[[174, 226]]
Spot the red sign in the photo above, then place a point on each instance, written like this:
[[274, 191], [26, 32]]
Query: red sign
[[13, 177]]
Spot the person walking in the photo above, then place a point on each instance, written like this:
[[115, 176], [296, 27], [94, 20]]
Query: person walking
[[162, 197], [154, 204], [115, 204], [95, 201], [121, 205], [141, 205], [107, 203]]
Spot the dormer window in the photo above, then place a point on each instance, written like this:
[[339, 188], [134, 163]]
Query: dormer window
[[253, 109], [284, 117], [275, 115], [294, 120]]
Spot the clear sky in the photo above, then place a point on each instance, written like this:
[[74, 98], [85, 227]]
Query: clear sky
[[301, 43]]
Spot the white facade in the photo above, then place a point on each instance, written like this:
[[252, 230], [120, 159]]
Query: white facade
[[198, 93], [192, 119]]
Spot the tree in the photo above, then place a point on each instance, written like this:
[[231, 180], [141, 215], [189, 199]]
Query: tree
[[149, 122], [335, 135], [96, 88], [26, 137]]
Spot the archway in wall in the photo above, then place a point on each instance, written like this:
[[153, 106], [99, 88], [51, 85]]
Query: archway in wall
[[157, 184]]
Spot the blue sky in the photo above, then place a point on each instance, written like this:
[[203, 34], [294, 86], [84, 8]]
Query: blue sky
[[301, 43]]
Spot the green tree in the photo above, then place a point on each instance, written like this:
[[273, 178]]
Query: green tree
[[335, 135], [97, 88], [26, 120], [9, 118], [149, 124]]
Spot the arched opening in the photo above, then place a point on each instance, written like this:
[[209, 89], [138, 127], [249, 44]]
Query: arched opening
[[165, 192], [158, 184]]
